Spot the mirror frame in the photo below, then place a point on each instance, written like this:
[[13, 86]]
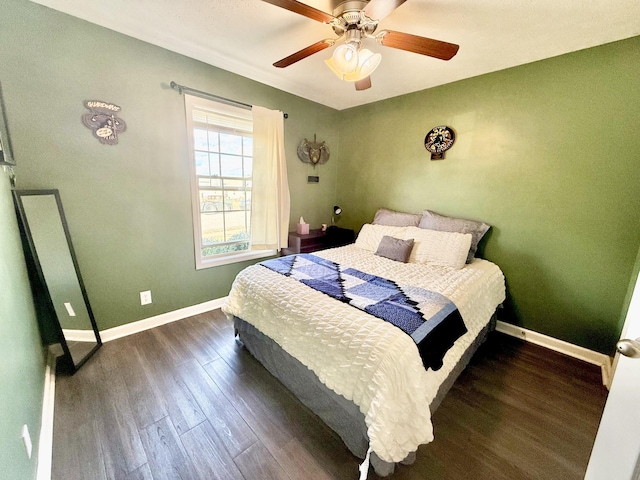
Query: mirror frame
[[6, 152], [65, 362]]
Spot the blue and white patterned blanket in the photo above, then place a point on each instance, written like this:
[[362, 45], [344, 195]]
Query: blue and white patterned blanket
[[432, 320]]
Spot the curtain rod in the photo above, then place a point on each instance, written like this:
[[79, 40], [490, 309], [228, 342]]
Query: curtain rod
[[183, 88]]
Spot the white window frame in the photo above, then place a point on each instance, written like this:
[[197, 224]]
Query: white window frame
[[193, 102]]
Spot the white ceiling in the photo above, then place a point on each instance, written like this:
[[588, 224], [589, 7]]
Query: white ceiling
[[247, 36]]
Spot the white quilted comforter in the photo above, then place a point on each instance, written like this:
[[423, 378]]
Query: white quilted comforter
[[363, 358]]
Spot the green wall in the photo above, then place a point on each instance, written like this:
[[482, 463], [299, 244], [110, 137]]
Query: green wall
[[22, 368], [547, 153], [128, 205]]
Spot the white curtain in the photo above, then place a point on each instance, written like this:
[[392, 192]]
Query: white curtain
[[270, 202]]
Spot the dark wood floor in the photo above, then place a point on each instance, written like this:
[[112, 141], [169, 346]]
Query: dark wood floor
[[183, 401]]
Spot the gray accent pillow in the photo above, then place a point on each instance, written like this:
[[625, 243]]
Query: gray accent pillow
[[396, 219], [395, 248], [435, 221]]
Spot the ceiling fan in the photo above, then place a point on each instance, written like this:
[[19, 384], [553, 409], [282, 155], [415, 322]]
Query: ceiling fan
[[353, 20]]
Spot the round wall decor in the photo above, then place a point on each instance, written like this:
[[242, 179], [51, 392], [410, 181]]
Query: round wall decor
[[439, 140]]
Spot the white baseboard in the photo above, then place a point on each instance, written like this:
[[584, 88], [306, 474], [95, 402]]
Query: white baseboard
[[575, 351], [45, 442], [71, 335], [152, 322], [581, 353]]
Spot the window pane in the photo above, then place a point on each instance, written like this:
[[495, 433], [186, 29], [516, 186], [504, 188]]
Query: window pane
[[230, 143], [236, 226], [213, 142], [200, 139], [212, 228], [231, 166], [248, 167], [228, 203], [218, 249], [235, 184], [210, 201], [233, 200], [214, 162], [247, 146], [209, 182], [202, 163]]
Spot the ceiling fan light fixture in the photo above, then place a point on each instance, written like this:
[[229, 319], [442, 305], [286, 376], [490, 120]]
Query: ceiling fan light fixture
[[367, 63], [345, 58], [334, 68], [353, 21]]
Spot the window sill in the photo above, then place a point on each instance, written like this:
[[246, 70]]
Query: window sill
[[233, 258]]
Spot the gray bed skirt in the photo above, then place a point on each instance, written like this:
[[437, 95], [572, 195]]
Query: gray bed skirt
[[340, 414]]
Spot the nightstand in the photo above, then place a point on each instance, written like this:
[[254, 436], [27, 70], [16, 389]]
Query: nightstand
[[339, 237], [317, 239]]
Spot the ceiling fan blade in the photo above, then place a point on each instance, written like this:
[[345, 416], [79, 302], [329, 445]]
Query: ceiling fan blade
[[364, 83], [416, 44], [378, 9], [302, 9], [304, 53]]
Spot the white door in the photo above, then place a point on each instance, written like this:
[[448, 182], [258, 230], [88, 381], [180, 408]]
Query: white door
[[616, 452]]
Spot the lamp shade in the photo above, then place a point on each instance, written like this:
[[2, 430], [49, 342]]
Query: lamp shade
[[337, 210], [334, 68], [346, 58], [367, 63]]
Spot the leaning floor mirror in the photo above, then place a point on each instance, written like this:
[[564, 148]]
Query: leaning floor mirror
[[57, 282]]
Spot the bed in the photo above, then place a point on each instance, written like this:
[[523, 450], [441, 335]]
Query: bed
[[326, 341]]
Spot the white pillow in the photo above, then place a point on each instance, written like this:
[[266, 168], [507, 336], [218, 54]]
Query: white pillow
[[448, 249], [370, 235]]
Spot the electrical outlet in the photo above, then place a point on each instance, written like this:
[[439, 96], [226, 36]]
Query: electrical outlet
[[26, 438], [145, 297]]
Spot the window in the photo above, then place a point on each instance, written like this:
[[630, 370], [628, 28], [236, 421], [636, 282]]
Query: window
[[221, 153]]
